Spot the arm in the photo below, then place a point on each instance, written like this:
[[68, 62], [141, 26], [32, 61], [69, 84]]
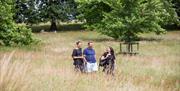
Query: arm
[[84, 59], [102, 58], [105, 57], [77, 57], [84, 56], [74, 55]]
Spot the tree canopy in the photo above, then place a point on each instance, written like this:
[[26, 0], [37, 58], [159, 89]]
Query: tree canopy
[[92, 11], [120, 19], [35, 11], [125, 19]]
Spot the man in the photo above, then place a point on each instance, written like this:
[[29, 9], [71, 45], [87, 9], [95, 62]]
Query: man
[[78, 57], [89, 54]]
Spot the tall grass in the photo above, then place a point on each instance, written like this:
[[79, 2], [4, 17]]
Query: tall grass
[[155, 68], [13, 75]]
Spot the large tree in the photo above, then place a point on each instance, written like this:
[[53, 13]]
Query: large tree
[[128, 18], [34, 11]]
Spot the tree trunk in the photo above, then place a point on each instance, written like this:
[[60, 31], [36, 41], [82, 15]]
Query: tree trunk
[[53, 27]]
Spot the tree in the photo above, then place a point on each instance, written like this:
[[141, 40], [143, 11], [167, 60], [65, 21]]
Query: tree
[[35, 11], [26, 11], [169, 14], [12, 34], [177, 7], [128, 18], [92, 11]]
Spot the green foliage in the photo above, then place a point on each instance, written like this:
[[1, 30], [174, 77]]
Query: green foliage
[[169, 14], [176, 4], [10, 33], [35, 11], [26, 11], [92, 11], [127, 18], [50, 9]]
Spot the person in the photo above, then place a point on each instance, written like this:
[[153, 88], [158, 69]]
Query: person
[[78, 57], [107, 61], [90, 58]]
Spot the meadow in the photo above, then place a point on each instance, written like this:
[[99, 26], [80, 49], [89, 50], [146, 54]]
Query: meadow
[[48, 66]]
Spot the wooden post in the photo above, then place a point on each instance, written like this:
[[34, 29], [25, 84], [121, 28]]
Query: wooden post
[[129, 48], [120, 48], [138, 47]]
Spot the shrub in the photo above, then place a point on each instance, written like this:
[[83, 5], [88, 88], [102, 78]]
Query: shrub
[[10, 33]]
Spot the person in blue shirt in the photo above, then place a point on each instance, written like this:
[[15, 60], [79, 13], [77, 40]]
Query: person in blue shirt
[[90, 57]]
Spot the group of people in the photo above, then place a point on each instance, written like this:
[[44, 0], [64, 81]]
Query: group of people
[[85, 60]]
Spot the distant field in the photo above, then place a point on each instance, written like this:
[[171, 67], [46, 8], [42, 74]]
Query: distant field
[[156, 68]]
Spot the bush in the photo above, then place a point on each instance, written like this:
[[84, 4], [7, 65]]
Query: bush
[[17, 37], [10, 33]]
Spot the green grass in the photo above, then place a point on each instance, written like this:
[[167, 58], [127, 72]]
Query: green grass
[[156, 68]]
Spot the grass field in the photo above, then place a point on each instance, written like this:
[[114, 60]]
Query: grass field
[[48, 66]]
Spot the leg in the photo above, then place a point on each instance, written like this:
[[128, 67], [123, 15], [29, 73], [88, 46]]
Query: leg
[[89, 68], [107, 69], [104, 68], [82, 68], [94, 67], [76, 68], [112, 69]]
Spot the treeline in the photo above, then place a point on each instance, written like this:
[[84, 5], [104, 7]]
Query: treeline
[[120, 19]]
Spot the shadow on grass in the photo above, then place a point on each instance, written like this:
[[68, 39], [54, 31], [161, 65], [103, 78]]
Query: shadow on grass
[[78, 27], [150, 39], [106, 39], [98, 39], [65, 27], [173, 27]]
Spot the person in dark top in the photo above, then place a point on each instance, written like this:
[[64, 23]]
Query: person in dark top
[[107, 61], [78, 57]]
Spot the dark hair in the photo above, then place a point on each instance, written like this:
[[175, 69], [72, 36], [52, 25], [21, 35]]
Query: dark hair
[[77, 43], [90, 42], [112, 52]]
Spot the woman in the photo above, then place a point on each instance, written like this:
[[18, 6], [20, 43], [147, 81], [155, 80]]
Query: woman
[[107, 61], [78, 57]]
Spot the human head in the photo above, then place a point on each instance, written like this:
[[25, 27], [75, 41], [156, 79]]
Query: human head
[[78, 44], [90, 44], [110, 49]]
